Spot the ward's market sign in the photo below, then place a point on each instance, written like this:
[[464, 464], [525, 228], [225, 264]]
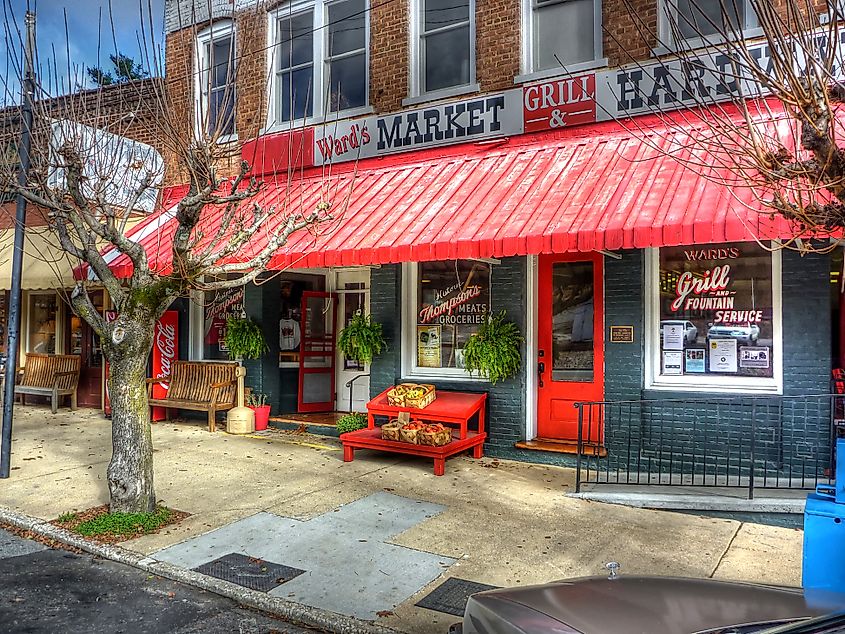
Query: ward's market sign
[[667, 84]]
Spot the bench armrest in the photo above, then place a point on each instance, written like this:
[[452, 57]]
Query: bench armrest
[[215, 386], [68, 373], [161, 379]]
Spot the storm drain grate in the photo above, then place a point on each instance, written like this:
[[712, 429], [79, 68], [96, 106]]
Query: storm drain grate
[[249, 572], [451, 595]]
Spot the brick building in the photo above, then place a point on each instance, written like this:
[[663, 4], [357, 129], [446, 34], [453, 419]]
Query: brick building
[[475, 145], [48, 324]]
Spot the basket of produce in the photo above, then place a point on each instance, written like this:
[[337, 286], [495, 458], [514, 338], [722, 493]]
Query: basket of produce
[[410, 432], [435, 435], [420, 396], [396, 395], [390, 431]]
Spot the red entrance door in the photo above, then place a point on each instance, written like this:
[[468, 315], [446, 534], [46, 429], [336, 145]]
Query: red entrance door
[[570, 351], [317, 352], [85, 342]]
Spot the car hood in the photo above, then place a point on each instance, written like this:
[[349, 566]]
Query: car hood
[[629, 605]]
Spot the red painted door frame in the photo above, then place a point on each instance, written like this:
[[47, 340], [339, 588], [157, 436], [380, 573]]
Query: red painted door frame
[[317, 347], [557, 417]]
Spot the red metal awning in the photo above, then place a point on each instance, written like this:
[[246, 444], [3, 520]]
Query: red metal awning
[[582, 189]]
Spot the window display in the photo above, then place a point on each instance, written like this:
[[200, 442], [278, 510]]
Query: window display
[[716, 312], [452, 299], [219, 307], [43, 309]]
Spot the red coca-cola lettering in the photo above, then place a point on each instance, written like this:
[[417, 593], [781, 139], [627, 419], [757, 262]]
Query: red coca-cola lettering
[[165, 342]]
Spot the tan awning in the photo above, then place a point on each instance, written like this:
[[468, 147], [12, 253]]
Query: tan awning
[[45, 265]]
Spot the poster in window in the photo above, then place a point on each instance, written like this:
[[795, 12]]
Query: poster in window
[[719, 293], [219, 307], [673, 363], [694, 359], [453, 295], [723, 355], [754, 357], [429, 346]]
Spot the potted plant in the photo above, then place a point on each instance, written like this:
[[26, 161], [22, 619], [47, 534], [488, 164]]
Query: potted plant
[[362, 339], [494, 351], [244, 339], [257, 402], [353, 421]]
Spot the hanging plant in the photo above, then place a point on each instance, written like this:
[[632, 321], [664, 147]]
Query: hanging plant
[[493, 351], [362, 339], [244, 339]]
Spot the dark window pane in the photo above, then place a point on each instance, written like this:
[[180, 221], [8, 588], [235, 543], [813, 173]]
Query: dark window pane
[[348, 82], [697, 18], [295, 94], [221, 52], [296, 40], [221, 111], [440, 13], [572, 321], [347, 27], [564, 31], [447, 59]]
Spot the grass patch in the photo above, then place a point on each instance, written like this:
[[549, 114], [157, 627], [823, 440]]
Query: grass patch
[[100, 525], [125, 523]]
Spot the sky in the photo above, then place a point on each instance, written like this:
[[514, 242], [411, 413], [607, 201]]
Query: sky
[[63, 54]]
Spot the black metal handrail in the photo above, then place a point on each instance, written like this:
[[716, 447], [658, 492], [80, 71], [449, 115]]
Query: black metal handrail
[[748, 442]]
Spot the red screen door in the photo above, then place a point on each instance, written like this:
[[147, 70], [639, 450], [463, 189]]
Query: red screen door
[[317, 352], [570, 361]]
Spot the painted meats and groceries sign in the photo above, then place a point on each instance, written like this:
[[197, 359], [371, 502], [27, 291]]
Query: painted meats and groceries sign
[[669, 84]]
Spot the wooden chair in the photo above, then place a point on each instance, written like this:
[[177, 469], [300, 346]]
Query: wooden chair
[[52, 375], [203, 386]]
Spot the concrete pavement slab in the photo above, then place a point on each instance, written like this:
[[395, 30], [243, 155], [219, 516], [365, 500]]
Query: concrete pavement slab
[[350, 569], [765, 554]]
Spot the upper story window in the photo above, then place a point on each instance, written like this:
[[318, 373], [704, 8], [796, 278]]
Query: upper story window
[[319, 60], [216, 80], [564, 33], [704, 20], [445, 44]]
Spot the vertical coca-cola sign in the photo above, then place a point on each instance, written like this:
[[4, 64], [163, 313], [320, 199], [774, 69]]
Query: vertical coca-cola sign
[[165, 351]]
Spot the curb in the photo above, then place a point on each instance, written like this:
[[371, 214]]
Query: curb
[[296, 613], [696, 502]]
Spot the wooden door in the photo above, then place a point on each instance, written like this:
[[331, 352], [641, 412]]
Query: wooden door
[[316, 391], [353, 379], [85, 342], [570, 353]]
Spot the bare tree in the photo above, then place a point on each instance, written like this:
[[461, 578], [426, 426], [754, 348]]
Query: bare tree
[[89, 185], [760, 111]]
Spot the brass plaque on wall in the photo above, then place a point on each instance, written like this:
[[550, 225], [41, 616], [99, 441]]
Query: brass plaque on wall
[[621, 334]]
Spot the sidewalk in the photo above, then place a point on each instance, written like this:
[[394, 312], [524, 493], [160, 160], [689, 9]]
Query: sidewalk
[[376, 535]]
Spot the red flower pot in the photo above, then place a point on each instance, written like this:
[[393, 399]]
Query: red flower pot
[[262, 416]]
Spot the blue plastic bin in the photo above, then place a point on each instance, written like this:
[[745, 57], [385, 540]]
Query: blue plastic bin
[[824, 542]]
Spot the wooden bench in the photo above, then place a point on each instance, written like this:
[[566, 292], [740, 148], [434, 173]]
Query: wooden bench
[[202, 386], [51, 375]]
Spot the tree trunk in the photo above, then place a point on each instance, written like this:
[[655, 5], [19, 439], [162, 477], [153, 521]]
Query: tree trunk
[[130, 472]]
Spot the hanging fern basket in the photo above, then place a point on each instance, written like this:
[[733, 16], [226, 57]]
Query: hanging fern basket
[[494, 351], [362, 340]]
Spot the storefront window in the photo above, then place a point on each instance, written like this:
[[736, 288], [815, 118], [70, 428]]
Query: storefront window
[[452, 298], [43, 309], [219, 306], [717, 321]]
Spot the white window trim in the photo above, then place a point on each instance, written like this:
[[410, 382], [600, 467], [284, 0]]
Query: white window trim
[[409, 368], [219, 30], [59, 319], [668, 45], [723, 384], [416, 61], [319, 56], [531, 346], [527, 45]]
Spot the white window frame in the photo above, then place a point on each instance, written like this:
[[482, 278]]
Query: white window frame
[[410, 309], [223, 29], [320, 78], [715, 383], [417, 61], [665, 7], [527, 45]]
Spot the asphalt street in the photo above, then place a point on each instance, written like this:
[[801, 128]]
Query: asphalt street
[[49, 591]]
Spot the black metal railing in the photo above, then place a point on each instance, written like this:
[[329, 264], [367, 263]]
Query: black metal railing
[[750, 442]]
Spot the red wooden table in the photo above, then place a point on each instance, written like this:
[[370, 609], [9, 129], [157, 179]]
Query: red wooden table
[[451, 408]]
